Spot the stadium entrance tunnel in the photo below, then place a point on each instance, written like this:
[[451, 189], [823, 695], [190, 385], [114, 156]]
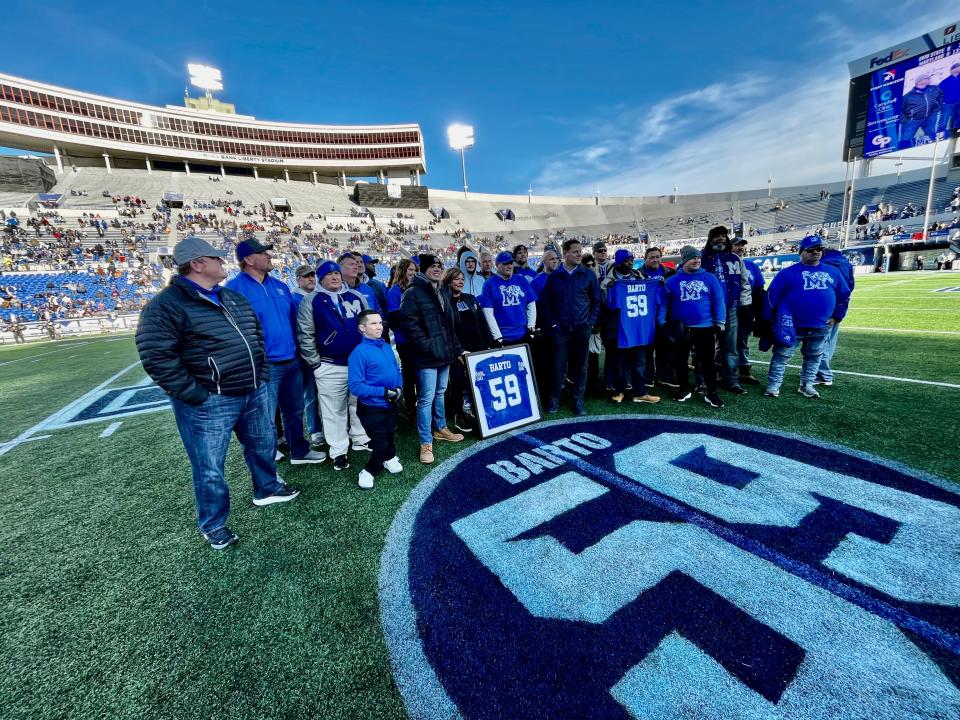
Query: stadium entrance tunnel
[[673, 568]]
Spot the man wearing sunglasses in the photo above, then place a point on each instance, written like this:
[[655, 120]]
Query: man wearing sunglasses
[[816, 296]]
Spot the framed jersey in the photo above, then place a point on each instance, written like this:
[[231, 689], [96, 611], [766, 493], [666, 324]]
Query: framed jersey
[[504, 389]]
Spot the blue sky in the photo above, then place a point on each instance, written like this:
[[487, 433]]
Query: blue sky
[[630, 97]]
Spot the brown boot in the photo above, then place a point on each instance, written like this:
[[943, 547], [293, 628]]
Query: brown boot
[[426, 454], [445, 434]]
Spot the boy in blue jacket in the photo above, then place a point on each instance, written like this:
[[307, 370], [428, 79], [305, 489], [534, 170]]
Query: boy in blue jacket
[[375, 380], [816, 295], [696, 305]]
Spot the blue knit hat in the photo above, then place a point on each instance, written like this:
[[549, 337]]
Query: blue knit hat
[[327, 267]]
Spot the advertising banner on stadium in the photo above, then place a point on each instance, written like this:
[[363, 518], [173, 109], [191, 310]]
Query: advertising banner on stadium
[[504, 389], [913, 102], [771, 264]]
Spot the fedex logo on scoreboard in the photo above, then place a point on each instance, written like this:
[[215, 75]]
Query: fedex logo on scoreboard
[[886, 59], [640, 567]]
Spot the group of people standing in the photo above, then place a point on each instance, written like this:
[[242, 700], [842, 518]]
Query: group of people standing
[[348, 356]]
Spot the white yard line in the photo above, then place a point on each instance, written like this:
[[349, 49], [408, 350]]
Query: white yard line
[[902, 330], [877, 377], [51, 352], [111, 429], [53, 419]]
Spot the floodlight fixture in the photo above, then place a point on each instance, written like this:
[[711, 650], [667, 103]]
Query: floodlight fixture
[[461, 138], [205, 77]]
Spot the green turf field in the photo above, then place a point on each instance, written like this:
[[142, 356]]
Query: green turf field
[[114, 607]]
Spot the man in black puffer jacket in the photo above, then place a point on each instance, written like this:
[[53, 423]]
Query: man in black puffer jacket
[[203, 345], [427, 321]]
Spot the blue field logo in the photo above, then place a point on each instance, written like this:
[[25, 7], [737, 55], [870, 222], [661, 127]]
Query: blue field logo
[[660, 567]]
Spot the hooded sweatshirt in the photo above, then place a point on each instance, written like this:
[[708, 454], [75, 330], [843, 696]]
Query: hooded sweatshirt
[[696, 299], [812, 293], [327, 325], [472, 282], [728, 268]]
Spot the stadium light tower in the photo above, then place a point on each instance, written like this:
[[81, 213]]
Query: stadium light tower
[[205, 77], [461, 138]]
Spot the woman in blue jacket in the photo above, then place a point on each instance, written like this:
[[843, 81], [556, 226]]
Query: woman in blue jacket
[[697, 307]]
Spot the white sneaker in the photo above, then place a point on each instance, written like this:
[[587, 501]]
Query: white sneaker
[[311, 458], [361, 447], [279, 456], [366, 480], [316, 438], [393, 465]]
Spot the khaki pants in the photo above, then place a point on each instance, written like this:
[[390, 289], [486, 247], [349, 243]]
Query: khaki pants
[[338, 409]]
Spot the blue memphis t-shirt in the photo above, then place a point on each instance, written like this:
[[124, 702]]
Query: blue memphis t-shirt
[[501, 382], [509, 300], [638, 302]]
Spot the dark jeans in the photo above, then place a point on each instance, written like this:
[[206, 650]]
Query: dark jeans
[[408, 371], [703, 343], [453, 403], [908, 130], [205, 430], [381, 425], [744, 327], [726, 360], [286, 389], [543, 365], [659, 360], [570, 350], [632, 369]]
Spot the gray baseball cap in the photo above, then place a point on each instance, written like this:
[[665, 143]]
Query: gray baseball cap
[[193, 248]]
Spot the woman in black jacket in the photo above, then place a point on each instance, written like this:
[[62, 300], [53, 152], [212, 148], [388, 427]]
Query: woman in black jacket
[[474, 334]]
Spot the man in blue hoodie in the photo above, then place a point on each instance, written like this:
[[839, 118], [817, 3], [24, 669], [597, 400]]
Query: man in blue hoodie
[[724, 264], [816, 296], [697, 311], [837, 260], [375, 380], [276, 310], [327, 333], [950, 87]]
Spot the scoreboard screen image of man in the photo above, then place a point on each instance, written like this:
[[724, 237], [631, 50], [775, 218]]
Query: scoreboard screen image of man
[[504, 389]]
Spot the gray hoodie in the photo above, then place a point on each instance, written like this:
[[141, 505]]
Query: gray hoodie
[[472, 282]]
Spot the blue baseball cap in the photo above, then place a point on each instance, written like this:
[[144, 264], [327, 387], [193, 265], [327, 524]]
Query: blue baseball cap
[[327, 267], [505, 257], [367, 260], [622, 255], [811, 241], [251, 246]]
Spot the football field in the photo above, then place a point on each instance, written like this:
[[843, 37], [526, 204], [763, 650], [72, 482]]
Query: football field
[[114, 607]]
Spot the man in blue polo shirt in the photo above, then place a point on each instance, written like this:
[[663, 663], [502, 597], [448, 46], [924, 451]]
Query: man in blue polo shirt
[[509, 303], [276, 310]]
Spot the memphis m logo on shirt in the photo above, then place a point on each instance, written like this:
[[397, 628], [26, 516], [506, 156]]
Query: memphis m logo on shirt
[[511, 295], [693, 290], [351, 308], [816, 280]]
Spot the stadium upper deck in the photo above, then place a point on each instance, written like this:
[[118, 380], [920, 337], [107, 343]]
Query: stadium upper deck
[[76, 125]]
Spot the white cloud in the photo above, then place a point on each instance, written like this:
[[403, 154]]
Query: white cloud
[[730, 135]]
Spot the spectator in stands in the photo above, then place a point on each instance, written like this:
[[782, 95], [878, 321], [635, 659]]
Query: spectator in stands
[[603, 263], [838, 261], [919, 111], [273, 303], [697, 311], [486, 264], [816, 296], [375, 381], [327, 333], [306, 278], [746, 313], [202, 344], [427, 320], [474, 334], [400, 280], [950, 89], [469, 266], [520, 255], [720, 261], [509, 303], [571, 305]]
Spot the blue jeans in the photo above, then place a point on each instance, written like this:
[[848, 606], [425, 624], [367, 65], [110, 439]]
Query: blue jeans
[[829, 348], [908, 130], [311, 408], [811, 342], [432, 384], [285, 387], [205, 430], [949, 116], [727, 349], [631, 369]]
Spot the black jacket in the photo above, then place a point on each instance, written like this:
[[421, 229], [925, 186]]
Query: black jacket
[[427, 321], [569, 300], [191, 347], [470, 325]]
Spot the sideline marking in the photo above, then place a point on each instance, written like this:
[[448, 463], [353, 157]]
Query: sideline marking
[[51, 352], [876, 377], [27, 434], [111, 429], [904, 330]]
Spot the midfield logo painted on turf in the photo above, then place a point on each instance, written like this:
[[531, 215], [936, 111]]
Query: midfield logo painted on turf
[[111, 404], [670, 568]]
